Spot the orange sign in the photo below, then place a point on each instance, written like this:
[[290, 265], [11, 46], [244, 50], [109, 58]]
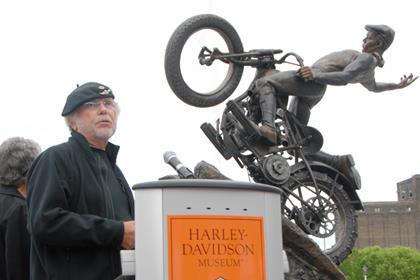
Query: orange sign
[[215, 247]]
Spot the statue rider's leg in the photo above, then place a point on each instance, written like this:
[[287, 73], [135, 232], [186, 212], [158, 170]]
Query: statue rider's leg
[[301, 109], [285, 84], [344, 164], [268, 106]]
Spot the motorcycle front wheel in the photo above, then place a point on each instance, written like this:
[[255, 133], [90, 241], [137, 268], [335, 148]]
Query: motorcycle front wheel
[[333, 224], [174, 50]]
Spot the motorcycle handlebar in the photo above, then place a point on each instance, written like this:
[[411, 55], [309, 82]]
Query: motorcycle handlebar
[[206, 56]]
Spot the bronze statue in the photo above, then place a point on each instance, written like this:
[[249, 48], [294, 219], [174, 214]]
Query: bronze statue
[[269, 136]]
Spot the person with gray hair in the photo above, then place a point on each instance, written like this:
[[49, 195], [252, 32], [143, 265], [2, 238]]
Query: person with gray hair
[[80, 207], [16, 156]]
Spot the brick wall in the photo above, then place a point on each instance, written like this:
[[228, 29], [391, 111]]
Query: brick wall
[[395, 223]]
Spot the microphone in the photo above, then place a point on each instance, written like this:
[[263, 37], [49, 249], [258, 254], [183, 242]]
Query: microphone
[[171, 159]]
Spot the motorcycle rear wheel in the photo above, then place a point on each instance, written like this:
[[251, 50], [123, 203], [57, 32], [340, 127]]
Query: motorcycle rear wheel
[[173, 59], [340, 224]]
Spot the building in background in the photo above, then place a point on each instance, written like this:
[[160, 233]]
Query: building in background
[[395, 223]]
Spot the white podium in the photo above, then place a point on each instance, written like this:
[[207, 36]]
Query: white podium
[[208, 229]]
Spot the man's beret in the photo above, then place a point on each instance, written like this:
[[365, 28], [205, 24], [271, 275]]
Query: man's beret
[[384, 32], [85, 93]]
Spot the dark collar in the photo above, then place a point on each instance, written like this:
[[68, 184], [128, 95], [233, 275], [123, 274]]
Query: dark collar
[[10, 190], [111, 149]]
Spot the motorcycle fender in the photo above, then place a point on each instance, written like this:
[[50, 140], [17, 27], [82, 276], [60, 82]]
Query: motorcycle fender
[[335, 175]]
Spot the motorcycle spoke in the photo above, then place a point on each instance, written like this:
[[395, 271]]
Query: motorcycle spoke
[[332, 190], [302, 184]]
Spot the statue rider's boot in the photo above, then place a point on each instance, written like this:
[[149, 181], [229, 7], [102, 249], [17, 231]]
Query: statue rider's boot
[[266, 131], [344, 164], [268, 112]]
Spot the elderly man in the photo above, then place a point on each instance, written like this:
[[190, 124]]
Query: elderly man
[[309, 84], [16, 156], [81, 208]]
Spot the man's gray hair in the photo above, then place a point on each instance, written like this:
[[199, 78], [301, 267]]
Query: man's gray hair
[[69, 120], [16, 156]]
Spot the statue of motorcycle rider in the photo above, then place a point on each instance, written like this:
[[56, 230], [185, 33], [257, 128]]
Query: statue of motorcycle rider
[[308, 85]]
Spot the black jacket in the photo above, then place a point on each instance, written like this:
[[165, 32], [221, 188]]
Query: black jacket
[[14, 238], [71, 215]]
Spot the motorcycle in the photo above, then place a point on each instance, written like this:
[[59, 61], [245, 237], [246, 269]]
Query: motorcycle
[[316, 196]]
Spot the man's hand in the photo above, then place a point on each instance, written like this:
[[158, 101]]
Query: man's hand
[[406, 81], [306, 73], [128, 239]]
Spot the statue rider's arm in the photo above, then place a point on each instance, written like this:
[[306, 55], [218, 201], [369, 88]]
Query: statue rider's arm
[[374, 86], [362, 65]]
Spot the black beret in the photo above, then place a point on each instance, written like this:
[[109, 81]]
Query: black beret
[[384, 32], [85, 93]]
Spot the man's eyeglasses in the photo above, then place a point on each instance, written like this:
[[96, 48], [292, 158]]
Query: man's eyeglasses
[[95, 104]]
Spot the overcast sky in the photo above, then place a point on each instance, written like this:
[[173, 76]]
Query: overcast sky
[[49, 46]]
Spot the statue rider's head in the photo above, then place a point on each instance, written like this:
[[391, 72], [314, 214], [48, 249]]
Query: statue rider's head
[[378, 38]]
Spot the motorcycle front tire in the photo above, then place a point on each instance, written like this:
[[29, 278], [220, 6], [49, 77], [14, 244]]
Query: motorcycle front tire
[[346, 233], [173, 56]]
